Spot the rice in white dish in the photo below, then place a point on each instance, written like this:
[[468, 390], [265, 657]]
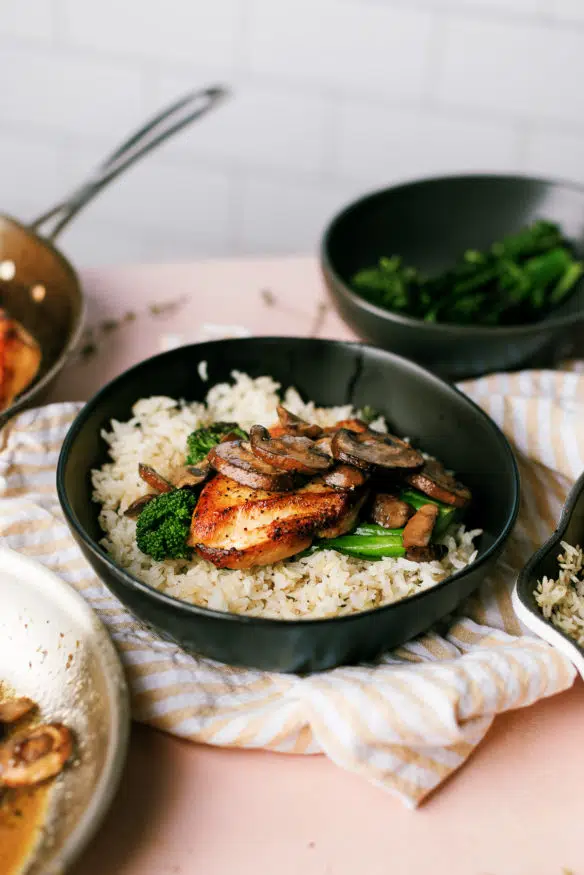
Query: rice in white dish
[[562, 599], [324, 584]]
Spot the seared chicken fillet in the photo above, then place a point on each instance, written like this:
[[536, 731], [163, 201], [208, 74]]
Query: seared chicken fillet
[[20, 357], [235, 526]]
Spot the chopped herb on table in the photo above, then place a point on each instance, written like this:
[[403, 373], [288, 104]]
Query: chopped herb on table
[[518, 280]]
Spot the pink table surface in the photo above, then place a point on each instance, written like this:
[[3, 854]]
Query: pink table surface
[[515, 808]]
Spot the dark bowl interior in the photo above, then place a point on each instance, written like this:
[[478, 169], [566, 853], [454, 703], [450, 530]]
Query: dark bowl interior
[[430, 223], [416, 403], [53, 317], [544, 563]]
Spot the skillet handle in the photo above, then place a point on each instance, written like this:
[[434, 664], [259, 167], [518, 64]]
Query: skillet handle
[[166, 123]]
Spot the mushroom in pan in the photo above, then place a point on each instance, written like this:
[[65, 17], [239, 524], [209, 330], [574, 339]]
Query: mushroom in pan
[[236, 460], [435, 481], [288, 452], [390, 511], [35, 755], [14, 709], [374, 448]]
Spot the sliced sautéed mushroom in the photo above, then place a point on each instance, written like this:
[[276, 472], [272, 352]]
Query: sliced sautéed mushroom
[[32, 755]]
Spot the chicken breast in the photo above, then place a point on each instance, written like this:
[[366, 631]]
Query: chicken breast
[[346, 522], [20, 357], [235, 526]]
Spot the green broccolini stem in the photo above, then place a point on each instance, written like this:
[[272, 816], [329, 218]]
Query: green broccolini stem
[[566, 283], [517, 280], [366, 546], [370, 541], [446, 513], [374, 529]]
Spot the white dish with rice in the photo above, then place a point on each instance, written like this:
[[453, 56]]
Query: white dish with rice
[[549, 594]]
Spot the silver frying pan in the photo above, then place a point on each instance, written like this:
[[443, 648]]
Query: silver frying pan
[[38, 285]]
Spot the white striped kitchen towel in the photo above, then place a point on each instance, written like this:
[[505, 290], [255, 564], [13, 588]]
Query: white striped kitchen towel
[[406, 723]]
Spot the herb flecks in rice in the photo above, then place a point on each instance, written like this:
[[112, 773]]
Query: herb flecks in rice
[[324, 584], [561, 599]]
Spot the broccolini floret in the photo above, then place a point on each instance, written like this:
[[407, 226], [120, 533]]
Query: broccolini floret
[[163, 526], [516, 280], [199, 442]]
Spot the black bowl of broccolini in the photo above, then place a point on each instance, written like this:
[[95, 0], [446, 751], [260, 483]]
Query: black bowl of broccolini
[[464, 274]]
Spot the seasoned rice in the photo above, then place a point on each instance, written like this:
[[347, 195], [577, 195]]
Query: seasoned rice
[[562, 599], [325, 584]]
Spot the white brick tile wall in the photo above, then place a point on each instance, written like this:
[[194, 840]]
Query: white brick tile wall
[[513, 7], [523, 70], [31, 19], [516, 6], [341, 44], [90, 242], [68, 92], [567, 10], [330, 98], [175, 200], [29, 175], [556, 154], [380, 145], [487, 65], [558, 75], [257, 126], [169, 30], [288, 216], [502, 9]]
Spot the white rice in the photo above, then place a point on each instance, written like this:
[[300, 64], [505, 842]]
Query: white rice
[[325, 584], [562, 599]]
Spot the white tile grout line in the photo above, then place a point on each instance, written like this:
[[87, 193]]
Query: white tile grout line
[[434, 58]]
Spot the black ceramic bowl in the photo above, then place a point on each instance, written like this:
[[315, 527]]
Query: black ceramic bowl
[[430, 223], [544, 563], [416, 403]]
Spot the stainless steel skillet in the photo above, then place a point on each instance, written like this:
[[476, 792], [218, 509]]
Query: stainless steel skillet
[[38, 285]]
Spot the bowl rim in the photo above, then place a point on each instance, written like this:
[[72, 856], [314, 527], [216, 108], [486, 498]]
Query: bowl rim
[[71, 340], [550, 546], [441, 328], [198, 610]]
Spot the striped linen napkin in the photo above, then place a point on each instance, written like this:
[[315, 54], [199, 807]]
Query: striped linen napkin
[[406, 723]]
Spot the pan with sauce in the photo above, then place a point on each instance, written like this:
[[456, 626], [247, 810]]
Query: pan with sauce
[[31, 756], [22, 816], [55, 651]]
